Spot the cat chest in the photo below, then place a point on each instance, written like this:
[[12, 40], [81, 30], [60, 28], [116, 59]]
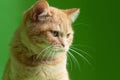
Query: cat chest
[[42, 72]]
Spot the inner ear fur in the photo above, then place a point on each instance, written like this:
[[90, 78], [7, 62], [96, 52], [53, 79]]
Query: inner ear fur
[[72, 13]]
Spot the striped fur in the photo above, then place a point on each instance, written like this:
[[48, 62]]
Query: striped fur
[[27, 60]]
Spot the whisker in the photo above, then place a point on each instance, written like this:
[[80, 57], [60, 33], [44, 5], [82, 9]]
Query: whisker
[[71, 57], [70, 61], [52, 56], [78, 24], [82, 51], [81, 45], [81, 56], [49, 54], [42, 52], [74, 58]]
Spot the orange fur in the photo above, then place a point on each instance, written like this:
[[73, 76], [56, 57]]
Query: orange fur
[[42, 26]]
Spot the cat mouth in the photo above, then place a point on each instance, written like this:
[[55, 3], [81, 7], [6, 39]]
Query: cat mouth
[[59, 49]]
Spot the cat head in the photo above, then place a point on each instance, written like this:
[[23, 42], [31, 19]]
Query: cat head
[[46, 26]]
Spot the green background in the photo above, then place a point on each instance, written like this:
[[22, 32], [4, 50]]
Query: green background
[[97, 31]]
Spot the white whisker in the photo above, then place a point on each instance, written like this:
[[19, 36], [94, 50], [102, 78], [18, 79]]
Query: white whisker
[[70, 61], [81, 56], [74, 59], [42, 51], [52, 56], [78, 24], [49, 54], [82, 51]]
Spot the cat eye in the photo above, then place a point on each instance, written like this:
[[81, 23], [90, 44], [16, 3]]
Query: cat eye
[[55, 33], [68, 35]]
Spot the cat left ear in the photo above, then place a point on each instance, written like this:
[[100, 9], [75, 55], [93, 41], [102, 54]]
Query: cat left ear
[[41, 10], [72, 13]]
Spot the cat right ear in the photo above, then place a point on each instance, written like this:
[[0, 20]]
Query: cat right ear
[[72, 13], [40, 10]]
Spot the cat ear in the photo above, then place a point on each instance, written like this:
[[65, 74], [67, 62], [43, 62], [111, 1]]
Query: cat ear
[[72, 13], [40, 10]]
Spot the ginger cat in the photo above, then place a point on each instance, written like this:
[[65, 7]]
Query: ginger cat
[[39, 46]]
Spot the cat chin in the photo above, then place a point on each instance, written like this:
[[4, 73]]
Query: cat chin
[[59, 50]]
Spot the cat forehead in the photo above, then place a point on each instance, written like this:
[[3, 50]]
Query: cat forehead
[[59, 15], [56, 11], [65, 29], [58, 21]]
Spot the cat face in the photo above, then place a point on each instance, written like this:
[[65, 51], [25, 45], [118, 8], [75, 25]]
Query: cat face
[[49, 26]]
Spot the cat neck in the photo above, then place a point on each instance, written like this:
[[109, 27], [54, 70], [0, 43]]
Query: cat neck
[[33, 61]]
